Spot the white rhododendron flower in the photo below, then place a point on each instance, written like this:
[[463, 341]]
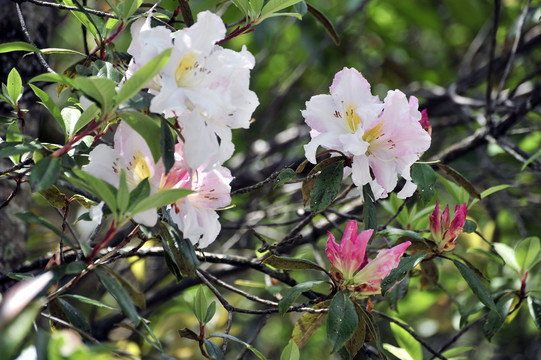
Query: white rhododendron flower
[[383, 138], [195, 214], [132, 154], [203, 85]]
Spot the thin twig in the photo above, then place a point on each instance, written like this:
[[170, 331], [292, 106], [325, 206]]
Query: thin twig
[[73, 8], [495, 25], [22, 21]]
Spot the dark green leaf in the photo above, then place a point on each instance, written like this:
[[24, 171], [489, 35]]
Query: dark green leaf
[[44, 173], [123, 194], [369, 209], [188, 334], [293, 293], [358, 339], [10, 148], [235, 339], [308, 185], [99, 89], [141, 191], [399, 272], [89, 301], [142, 77], [326, 187], [342, 321], [136, 295], [460, 180], [148, 127], [285, 263], [469, 226], [120, 294], [323, 20], [179, 250], [425, 177], [87, 116], [102, 189], [211, 310], [213, 350], [57, 78], [526, 252], [534, 305], [496, 319], [301, 7], [167, 146], [274, 6], [74, 316], [284, 176], [50, 105], [476, 285]]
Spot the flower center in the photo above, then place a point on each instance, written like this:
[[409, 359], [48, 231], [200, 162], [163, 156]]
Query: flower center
[[187, 70], [138, 168], [352, 118], [374, 133]]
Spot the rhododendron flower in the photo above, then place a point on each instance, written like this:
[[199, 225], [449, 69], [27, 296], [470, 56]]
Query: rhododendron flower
[[132, 154], [444, 231], [383, 139], [352, 267], [204, 86], [195, 214]]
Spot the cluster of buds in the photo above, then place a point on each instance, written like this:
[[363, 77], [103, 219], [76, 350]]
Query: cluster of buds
[[444, 231], [353, 269]]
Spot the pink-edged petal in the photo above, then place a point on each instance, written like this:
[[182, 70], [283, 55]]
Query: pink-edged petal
[[461, 211], [333, 252], [445, 219]]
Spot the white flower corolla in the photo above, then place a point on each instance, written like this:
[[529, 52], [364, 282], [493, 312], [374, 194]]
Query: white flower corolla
[[204, 86], [131, 154], [383, 138], [195, 214]]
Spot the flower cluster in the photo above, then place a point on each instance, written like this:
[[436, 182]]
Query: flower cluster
[[383, 138], [353, 269], [444, 231], [205, 88]]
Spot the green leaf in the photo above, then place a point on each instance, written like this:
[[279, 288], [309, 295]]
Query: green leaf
[[211, 310], [86, 19], [308, 185], [286, 263], [99, 89], [10, 148], [213, 350], [308, 323], [70, 118], [488, 192], [342, 321], [120, 294], [50, 105], [323, 20], [393, 232], [159, 199], [530, 160], [293, 293], [167, 146], [123, 194], [129, 7], [274, 6], [200, 305], [56, 78], [188, 334], [407, 342], [326, 187], [425, 177], [284, 176], [180, 251], [235, 339], [534, 305], [290, 352], [358, 339], [242, 5], [100, 188], [142, 77], [30, 217], [86, 117], [399, 272], [508, 255], [89, 301], [495, 320], [478, 288], [44, 173], [369, 209], [14, 85], [526, 252], [74, 316], [400, 353], [469, 226], [141, 191], [460, 180], [13, 334], [148, 127], [456, 351], [17, 46], [135, 294]]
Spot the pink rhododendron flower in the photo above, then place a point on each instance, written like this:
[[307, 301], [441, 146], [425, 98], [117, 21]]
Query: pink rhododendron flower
[[383, 139], [352, 267], [132, 154], [195, 215], [204, 86], [444, 231]]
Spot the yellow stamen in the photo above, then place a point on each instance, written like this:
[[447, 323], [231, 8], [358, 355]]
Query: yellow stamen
[[140, 167], [373, 133], [352, 118], [185, 66]]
